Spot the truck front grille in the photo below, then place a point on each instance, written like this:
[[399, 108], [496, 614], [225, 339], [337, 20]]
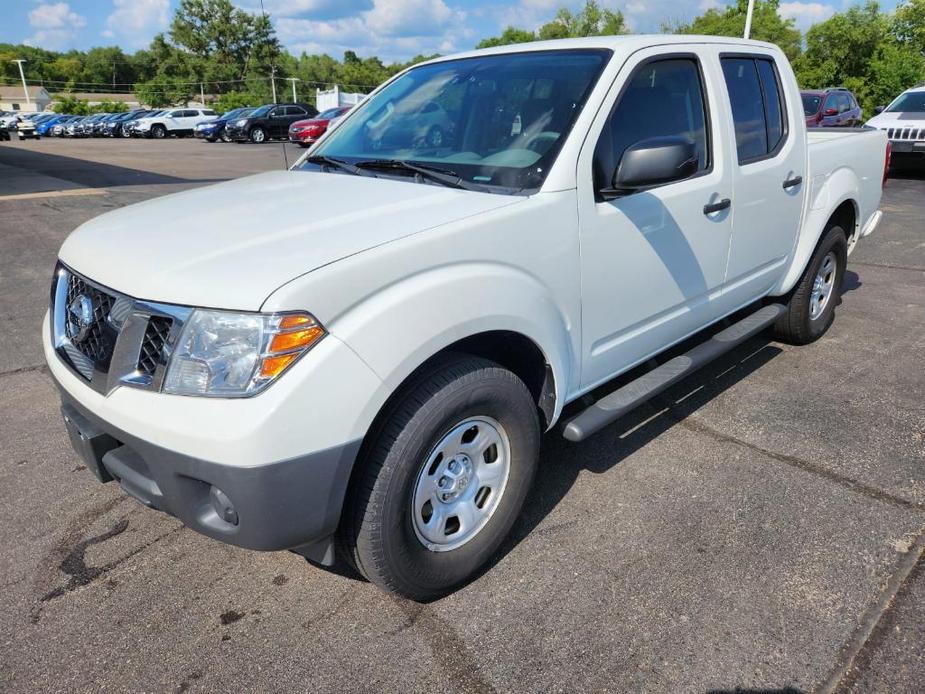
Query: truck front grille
[[110, 339], [97, 340], [905, 133], [152, 345]]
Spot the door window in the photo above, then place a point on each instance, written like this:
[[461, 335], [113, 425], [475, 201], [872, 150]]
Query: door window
[[663, 98], [755, 95]]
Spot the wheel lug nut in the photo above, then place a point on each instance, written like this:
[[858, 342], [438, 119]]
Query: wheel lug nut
[[443, 482]]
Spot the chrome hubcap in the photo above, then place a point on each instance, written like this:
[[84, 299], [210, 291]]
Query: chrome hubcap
[[461, 484], [823, 286]]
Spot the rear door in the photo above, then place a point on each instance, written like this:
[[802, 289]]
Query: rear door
[[652, 262], [770, 167]]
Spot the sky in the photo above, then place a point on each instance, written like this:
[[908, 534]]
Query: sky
[[395, 30]]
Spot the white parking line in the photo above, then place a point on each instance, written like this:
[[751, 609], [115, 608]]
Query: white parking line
[[53, 194]]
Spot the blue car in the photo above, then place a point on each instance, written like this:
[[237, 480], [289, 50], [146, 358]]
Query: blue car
[[45, 127], [215, 129]]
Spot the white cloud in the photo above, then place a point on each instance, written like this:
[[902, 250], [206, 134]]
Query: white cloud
[[137, 21], [805, 14], [55, 26], [392, 29]]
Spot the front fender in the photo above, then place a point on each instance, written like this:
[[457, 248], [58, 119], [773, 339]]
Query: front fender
[[402, 325], [827, 193]]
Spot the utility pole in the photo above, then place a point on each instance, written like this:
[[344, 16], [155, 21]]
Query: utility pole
[[293, 80], [273, 81], [202, 95], [22, 75], [748, 18]]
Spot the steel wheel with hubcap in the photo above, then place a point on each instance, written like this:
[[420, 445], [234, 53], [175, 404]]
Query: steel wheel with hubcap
[[811, 303], [823, 286], [461, 484], [443, 477]]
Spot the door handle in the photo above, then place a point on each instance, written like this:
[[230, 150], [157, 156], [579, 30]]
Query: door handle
[[791, 182], [712, 207]]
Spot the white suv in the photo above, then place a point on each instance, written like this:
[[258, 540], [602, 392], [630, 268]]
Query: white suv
[[178, 121], [904, 122]]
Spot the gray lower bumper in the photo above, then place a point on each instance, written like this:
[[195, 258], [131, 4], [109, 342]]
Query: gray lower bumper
[[292, 504]]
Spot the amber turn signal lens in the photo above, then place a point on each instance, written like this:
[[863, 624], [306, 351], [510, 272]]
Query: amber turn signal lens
[[273, 366], [295, 320], [283, 342]]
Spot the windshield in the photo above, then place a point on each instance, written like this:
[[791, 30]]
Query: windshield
[[262, 111], [329, 114], [811, 104], [913, 102], [496, 121]]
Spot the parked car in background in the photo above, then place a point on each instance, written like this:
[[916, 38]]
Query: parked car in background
[[307, 132], [176, 121], [372, 377], [113, 126], [833, 107], [129, 127], [24, 128], [904, 122], [45, 127], [213, 130], [269, 122], [85, 127]]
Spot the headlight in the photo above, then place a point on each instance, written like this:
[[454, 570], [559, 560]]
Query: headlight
[[223, 354], [241, 123]]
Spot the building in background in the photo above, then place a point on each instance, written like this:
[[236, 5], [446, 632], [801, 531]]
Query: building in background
[[97, 98], [13, 98]]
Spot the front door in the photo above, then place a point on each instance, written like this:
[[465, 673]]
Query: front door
[[653, 262]]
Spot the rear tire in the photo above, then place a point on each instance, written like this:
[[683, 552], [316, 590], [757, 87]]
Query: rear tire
[[811, 306], [419, 457]]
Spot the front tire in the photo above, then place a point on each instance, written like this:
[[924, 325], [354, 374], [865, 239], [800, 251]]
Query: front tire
[[811, 307], [258, 135], [443, 479], [158, 132]]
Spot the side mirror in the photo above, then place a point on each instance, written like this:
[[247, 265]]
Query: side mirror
[[830, 112], [879, 109], [653, 162]]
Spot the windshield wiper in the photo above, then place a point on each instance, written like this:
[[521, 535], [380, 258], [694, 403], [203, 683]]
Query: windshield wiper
[[338, 164], [442, 176]]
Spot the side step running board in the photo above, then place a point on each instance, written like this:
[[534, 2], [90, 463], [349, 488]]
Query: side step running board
[[647, 386]]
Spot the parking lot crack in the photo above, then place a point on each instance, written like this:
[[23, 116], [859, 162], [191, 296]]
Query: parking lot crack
[[885, 266], [696, 425], [875, 622]]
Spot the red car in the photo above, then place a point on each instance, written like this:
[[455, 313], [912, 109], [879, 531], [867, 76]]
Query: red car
[[306, 132]]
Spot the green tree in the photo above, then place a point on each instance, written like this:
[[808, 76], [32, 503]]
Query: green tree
[[108, 106], [66, 103], [590, 20], [909, 24], [510, 35], [767, 25], [232, 100]]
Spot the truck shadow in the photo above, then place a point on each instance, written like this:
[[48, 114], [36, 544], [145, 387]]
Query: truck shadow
[[40, 172], [561, 462]]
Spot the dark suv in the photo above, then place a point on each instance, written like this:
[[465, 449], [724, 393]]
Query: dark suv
[[832, 107], [268, 122]]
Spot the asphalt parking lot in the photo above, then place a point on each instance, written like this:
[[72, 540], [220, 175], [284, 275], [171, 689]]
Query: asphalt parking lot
[[759, 528]]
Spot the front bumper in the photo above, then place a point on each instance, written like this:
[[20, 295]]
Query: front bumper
[[235, 132], [282, 505]]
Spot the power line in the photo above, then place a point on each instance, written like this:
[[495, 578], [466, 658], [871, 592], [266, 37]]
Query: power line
[[136, 85]]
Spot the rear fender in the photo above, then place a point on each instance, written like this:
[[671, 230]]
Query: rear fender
[[827, 192]]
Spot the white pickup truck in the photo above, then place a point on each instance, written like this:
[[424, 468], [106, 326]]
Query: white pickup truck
[[362, 352]]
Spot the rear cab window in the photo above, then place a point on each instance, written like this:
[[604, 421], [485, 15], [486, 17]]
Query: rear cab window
[[758, 109]]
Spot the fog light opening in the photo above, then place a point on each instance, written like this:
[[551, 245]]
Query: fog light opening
[[222, 506]]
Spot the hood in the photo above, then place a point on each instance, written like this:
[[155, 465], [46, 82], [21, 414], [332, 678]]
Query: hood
[[232, 244], [898, 119]]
